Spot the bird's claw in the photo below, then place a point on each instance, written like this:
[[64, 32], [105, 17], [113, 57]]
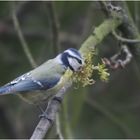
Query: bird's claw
[[45, 116], [59, 99]]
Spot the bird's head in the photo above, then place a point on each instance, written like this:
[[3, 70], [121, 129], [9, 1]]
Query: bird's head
[[72, 58]]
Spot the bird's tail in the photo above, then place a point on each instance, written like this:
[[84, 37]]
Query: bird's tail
[[5, 90]]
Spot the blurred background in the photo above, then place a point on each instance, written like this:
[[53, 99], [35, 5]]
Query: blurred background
[[103, 110]]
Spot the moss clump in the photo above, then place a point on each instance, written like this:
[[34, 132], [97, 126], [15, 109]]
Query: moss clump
[[84, 75], [102, 71]]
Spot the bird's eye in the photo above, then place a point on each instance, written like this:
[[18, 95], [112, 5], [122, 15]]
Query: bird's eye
[[79, 61]]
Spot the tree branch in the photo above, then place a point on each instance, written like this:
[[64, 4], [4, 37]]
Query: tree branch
[[94, 39], [127, 28], [119, 60], [52, 108], [125, 40]]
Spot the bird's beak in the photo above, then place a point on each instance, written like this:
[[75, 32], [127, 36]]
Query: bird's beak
[[83, 63], [80, 68]]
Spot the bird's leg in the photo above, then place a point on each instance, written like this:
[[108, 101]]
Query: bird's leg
[[59, 99], [40, 108], [44, 113]]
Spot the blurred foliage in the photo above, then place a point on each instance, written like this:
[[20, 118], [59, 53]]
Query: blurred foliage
[[102, 110]]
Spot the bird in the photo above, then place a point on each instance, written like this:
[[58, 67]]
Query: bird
[[43, 82]]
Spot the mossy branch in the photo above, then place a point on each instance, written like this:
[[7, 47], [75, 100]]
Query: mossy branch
[[98, 34]]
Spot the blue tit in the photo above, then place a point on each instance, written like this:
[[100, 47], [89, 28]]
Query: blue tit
[[43, 82]]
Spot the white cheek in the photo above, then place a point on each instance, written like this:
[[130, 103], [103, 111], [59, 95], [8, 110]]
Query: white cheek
[[75, 65]]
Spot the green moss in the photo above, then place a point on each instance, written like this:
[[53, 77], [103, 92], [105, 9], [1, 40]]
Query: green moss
[[84, 75]]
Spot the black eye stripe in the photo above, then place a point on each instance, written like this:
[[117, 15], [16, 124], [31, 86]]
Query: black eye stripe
[[79, 61]]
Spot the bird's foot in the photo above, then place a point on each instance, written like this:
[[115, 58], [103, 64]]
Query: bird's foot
[[45, 116], [59, 99]]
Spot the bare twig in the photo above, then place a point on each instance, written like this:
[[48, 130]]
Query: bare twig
[[126, 40], [127, 27], [129, 30], [120, 59], [21, 38]]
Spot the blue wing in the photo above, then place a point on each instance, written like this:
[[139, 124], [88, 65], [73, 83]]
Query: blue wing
[[26, 83]]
